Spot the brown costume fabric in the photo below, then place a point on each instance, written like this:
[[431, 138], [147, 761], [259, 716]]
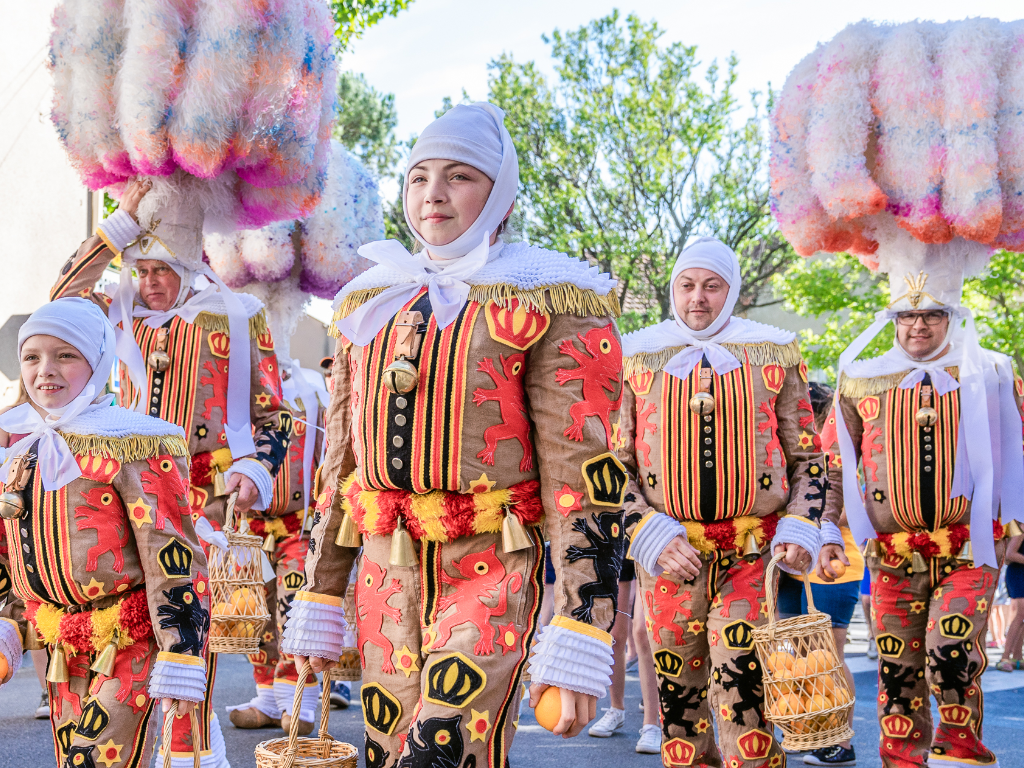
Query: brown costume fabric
[[756, 456]]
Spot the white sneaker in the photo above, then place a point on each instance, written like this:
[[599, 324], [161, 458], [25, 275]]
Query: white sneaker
[[872, 652], [611, 722], [649, 742]]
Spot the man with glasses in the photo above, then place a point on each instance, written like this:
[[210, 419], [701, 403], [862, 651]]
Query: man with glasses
[[933, 475]]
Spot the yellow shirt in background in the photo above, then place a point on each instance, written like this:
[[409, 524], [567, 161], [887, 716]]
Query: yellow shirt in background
[[855, 571]]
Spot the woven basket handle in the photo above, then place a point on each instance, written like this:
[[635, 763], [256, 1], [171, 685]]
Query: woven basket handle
[[771, 581], [325, 713], [229, 511], [169, 724]]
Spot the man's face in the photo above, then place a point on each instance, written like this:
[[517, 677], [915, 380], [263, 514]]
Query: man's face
[[158, 284], [699, 296], [921, 332]]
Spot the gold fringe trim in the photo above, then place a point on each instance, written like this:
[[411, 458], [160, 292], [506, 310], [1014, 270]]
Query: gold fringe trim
[[858, 388], [766, 353], [561, 299], [214, 323], [126, 449]]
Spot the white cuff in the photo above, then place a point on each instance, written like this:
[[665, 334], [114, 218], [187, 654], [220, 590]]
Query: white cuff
[[10, 644], [255, 471], [572, 660], [264, 701], [119, 229], [314, 628], [830, 534], [650, 538], [175, 676], [799, 531]]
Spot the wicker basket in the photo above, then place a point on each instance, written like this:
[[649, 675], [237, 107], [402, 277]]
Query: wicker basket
[[168, 724], [322, 752], [238, 598], [805, 689], [349, 667]]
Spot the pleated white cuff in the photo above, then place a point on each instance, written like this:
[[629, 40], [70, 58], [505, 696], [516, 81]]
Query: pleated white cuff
[[173, 679], [798, 530], [650, 538], [314, 628], [571, 660], [830, 534], [255, 471]]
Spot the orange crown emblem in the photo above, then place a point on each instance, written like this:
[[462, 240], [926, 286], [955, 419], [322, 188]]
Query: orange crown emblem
[[299, 428], [896, 726], [677, 752], [955, 714], [641, 381], [773, 376], [220, 343], [265, 341], [803, 370], [868, 408], [516, 325], [102, 469], [754, 745]]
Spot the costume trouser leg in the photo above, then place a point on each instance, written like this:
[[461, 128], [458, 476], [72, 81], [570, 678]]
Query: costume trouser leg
[[105, 720], [447, 694], [701, 636], [928, 626], [290, 565]]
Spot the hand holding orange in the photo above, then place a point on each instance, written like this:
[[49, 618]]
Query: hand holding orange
[[549, 709]]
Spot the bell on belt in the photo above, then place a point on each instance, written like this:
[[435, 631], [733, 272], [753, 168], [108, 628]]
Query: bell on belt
[[514, 535], [1012, 529], [750, 546], [401, 377], [269, 544], [871, 548], [104, 664], [57, 672], [12, 505], [158, 360], [702, 403], [32, 640], [403, 553], [917, 563], [966, 552], [348, 534], [926, 417], [220, 485]]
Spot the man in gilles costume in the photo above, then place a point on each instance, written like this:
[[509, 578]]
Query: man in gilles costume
[[725, 471], [181, 360], [476, 394], [935, 423]]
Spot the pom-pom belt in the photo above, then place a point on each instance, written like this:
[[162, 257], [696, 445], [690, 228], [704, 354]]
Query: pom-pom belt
[[724, 535], [940, 543], [91, 627]]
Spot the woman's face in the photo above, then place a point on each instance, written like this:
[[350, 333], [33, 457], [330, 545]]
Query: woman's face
[[445, 198], [54, 372]]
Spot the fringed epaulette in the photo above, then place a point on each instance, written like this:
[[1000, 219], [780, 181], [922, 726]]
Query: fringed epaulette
[[765, 353], [214, 323], [126, 449], [561, 299], [876, 385]]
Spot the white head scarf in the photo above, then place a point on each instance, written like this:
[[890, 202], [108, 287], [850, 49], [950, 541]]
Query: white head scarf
[[83, 325]]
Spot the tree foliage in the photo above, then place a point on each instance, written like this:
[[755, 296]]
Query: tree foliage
[[632, 153], [366, 123], [355, 16]]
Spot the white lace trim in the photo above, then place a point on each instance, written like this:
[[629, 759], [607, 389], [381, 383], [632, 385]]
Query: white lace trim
[[571, 660], [174, 680], [655, 338], [116, 421]]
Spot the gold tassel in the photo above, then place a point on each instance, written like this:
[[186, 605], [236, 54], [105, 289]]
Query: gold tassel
[[348, 534], [403, 553], [32, 640], [966, 552], [513, 535], [750, 546], [871, 549], [57, 672], [104, 664], [269, 544], [917, 563], [1012, 529]]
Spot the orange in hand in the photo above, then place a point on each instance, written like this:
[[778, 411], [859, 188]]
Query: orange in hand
[[4, 666], [549, 709], [837, 568]]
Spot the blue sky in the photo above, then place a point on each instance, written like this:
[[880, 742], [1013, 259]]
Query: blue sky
[[438, 47]]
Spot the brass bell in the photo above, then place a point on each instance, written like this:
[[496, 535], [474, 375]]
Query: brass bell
[[926, 417], [57, 672], [220, 485], [348, 534], [702, 403], [871, 548], [403, 553], [514, 535], [158, 360], [401, 377], [12, 505], [1012, 529], [104, 664], [918, 563], [966, 552], [269, 544], [750, 545], [33, 642]]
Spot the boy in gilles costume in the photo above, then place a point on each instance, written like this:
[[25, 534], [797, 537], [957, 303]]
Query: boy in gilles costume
[[475, 397], [721, 443], [184, 365], [939, 438], [102, 564]]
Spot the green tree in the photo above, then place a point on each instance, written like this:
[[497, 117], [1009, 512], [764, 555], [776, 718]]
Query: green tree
[[632, 152], [355, 16], [366, 123]]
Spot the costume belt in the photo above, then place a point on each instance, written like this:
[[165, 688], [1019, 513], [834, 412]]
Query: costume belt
[[440, 515], [940, 543], [730, 534], [90, 627], [281, 527], [206, 466]]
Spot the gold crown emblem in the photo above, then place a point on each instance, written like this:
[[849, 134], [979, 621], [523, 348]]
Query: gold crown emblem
[[102, 469], [755, 745], [954, 714], [677, 752], [516, 325], [220, 343], [265, 341], [641, 381], [896, 726]]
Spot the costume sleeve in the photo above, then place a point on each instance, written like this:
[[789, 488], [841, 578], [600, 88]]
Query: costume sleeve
[[155, 493], [12, 619], [574, 390], [79, 275], [833, 459], [805, 466], [315, 620]]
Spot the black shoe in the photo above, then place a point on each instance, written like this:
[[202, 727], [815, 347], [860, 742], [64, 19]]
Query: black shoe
[[836, 755]]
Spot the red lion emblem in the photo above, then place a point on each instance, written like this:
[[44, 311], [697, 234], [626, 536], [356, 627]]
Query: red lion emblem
[[663, 604], [105, 515], [643, 426], [747, 584], [508, 394], [772, 427], [218, 379], [600, 370], [371, 608]]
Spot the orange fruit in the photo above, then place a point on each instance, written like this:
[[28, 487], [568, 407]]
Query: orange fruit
[[549, 709], [820, 661], [224, 609], [244, 601], [780, 662], [241, 629], [4, 666], [819, 703], [800, 668], [837, 567], [840, 696]]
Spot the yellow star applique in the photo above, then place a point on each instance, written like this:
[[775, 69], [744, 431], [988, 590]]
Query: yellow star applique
[[695, 627], [94, 589], [917, 606], [478, 725], [263, 399], [916, 703], [139, 513], [717, 601], [618, 439], [407, 661], [481, 485], [764, 608], [109, 753], [702, 725], [806, 440], [725, 712], [983, 605]]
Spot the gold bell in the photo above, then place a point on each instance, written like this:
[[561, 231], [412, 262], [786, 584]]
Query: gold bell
[[33, 642], [926, 417], [750, 546], [403, 553], [966, 552], [401, 377], [158, 360], [220, 485], [917, 563], [57, 672], [1012, 529], [12, 505], [348, 534], [871, 548], [104, 664], [514, 535], [269, 544], [702, 403]]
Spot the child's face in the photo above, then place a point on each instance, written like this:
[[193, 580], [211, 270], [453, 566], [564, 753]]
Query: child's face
[[54, 372]]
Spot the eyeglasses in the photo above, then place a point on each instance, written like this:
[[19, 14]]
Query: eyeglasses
[[930, 318]]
